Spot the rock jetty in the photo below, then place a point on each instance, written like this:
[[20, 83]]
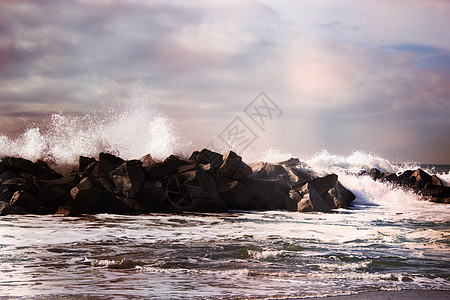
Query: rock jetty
[[430, 187], [205, 182]]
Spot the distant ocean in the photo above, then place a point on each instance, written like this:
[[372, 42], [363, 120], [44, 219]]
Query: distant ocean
[[389, 240]]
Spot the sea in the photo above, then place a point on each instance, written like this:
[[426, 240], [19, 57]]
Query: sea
[[390, 239]]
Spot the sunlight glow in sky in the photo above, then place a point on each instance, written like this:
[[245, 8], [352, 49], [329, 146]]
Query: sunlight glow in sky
[[349, 75]]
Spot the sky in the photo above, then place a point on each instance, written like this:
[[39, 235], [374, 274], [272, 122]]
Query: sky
[[298, 76]]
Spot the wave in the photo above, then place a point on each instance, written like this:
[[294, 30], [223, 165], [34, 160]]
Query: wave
[[130, 134]]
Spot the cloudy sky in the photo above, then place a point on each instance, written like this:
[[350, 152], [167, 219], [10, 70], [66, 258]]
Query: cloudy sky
[[340, 75]]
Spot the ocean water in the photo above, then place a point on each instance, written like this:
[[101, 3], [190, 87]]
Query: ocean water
[[389, 240]]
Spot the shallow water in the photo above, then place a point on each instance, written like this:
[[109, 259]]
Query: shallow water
[[240, 254]]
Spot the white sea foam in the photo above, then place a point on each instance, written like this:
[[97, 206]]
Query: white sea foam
[[130, 134], [355, 162]]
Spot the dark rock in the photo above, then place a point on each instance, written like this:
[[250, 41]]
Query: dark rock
[[322, 184], [233, 167], [99, 169], [18, 165], [435, 180], [85, 196], [84, 162], [39, 169], [5, 175], [6, 209], [436, 193], [207, 157], [152, 194], [5, 194], [132, 206], [374, 173], [43, 171], [17, 183], [163, 169], [68, 211], [113, 160], [187, 168], [389, 177], [194, 191], [294, 163], [106, 184], [404, 178], [345, 196], [24, 199], [320, 194], [308, 199], [128, 177], [50, 191], [236, 195], [115, 204], [267, 194], [419, 179], [263, 170], [147, 161]]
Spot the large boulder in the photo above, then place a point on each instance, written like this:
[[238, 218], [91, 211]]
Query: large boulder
[[419, 179], [18, 183], [18, 165], [320, 194], [267, 194], [270, 171], [51, 192], [389, 177], [111, 159], [308, 199], [39, 169], [322, 184], [147, 161], [153, 195], [43, 171], [25, 199], [233, 167], [84, 162], [194, 191], [403, 178], [128, 177], [205, 157], [236, 195], [7, 174], [436, 193], [165, 168], [85, 196]]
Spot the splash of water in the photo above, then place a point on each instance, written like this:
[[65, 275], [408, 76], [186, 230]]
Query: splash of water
[[130, 134], [355, 162]]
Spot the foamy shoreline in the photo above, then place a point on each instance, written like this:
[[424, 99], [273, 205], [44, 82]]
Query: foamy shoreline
[[393, 295]]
